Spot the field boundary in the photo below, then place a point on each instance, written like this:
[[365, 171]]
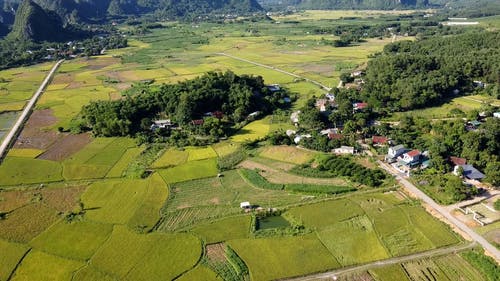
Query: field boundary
[[4, 147], [381, 263]]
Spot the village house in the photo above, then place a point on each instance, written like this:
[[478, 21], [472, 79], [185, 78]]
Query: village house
[[298, 138], [330, 97], [329, 131], [359, 106], [274, 88], [357, 73], [379, 141], [394, 152], [321, 105], [496, 114], [344, 150], [295, 117], [335, 136], [290, 132], [456, 161], [253, 115], [161, 124], [198, 122], [411, 158], [469, 172]]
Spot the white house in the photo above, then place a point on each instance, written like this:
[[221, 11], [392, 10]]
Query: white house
[[295, 117], [344, 150], [395, 151], [245, 205], [412, 156], [496, 114], [298, 138]]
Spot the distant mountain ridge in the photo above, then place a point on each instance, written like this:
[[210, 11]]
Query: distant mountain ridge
[[33, 23], [345, 4]]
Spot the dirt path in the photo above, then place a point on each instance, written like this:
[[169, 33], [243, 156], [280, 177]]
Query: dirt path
[[4, 147], [281, 177], [278, 70], [332, 275]]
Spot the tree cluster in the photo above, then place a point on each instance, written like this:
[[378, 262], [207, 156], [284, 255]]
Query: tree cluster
[[410, 75]]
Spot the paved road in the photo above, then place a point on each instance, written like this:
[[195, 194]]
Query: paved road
[[334, 273], [277, 69], [443, 211], [4, 146]]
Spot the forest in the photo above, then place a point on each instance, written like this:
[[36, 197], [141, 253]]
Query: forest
[[409, 75], [205, 106]]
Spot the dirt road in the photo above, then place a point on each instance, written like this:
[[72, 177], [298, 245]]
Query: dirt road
[[331, 275], [277, 69], [4, 146]]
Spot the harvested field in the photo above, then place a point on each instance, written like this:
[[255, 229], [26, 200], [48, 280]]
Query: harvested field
[[287, 154], [33, 135], [27, 222], [63, 78], [277, 176], [216, 252], [66, 146], [61, 199]]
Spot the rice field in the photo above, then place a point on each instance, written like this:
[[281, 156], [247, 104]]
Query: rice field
[[45, 267], [12, 253], [253, 131], [224, 230], [190, 171], [154, 256], [287, 154]]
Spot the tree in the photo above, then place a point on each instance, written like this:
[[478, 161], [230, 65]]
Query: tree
[[492, 172]]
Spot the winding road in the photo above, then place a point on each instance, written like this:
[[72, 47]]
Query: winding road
[[277, 69], [4, 146]]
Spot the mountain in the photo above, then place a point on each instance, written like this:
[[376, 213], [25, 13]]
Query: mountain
[[32, 23], [345, 4]]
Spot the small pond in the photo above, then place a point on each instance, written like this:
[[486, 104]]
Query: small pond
[[272, 222]]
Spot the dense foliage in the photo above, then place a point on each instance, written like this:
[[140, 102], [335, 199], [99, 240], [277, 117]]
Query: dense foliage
[[236, 97], [410, 75], [486, 265], [334, 166], [344, 4]]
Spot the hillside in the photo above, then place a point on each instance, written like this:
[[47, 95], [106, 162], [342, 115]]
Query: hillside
[[33, 23], [345, 4]]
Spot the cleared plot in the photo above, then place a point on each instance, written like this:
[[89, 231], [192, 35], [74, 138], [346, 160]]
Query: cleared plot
[[200, 153], [171, 158], [27, 222], [223, 230], [199, 273], [117, 201], [90, 273], [190, 170], [16, 170], [65, 146], [287, 154], [389, 273], [121, 166], [12, 253], [25, 153], [274, 258], [353, 241], [253, 131], [323, 215], [154, 256], [45, 267], [76, 240]]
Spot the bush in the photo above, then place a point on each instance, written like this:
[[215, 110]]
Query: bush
[[486, 265]]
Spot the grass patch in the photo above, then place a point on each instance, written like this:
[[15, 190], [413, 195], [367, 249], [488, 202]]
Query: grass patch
[[253, 131], [12, 253], [45, 267], [90, 273], [190, 170], [154, 256], [199, 273], [121, 166], [123, 201], [223, 230], [24, 152], [77, 240], [16, 170], [200, 153], [273, 258], [171, 158]]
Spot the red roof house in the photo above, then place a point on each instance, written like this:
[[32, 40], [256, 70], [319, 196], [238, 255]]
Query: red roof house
[[379, 140], [458, 161]]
